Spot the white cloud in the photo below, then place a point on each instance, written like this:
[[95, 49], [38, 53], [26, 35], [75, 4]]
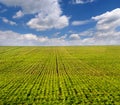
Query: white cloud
[[56, 34], [110, 38], [63, 37], [74, 37], [77, 23], [82, 1], [105, 32], [41, 23], [108, 21], [49, 13], [87, 33], [5, 20], [30, 7], [15, 39], [19, 14]]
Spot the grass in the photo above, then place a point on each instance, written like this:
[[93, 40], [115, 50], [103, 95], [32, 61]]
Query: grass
[[88, 75]]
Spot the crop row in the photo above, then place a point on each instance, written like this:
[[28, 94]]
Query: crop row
[[57, 75]]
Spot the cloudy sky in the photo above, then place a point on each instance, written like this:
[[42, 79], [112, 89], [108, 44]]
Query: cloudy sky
[[59, 22]]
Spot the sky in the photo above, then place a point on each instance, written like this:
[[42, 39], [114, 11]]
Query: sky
[[59, 22]]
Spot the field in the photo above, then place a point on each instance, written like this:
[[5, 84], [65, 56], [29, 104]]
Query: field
[[88, 75]]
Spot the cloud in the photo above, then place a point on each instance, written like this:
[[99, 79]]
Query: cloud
[[77, 23], [105, 32], [74, 37], [49, 14], [5, 20], [96, 38], [10, 38], [108, 39], [106, 26], [108, 21], [13, 38], [42, 23], [82, 1], [63, 37], [56, 34], [87, 33], [33, 7], [19, 14]]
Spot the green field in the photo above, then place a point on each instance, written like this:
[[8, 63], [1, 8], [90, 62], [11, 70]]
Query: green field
[[88, 75]]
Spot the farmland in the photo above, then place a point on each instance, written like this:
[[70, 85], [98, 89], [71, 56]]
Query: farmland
[[88, 75]]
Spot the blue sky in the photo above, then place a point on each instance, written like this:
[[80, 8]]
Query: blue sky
[[59, 22]]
